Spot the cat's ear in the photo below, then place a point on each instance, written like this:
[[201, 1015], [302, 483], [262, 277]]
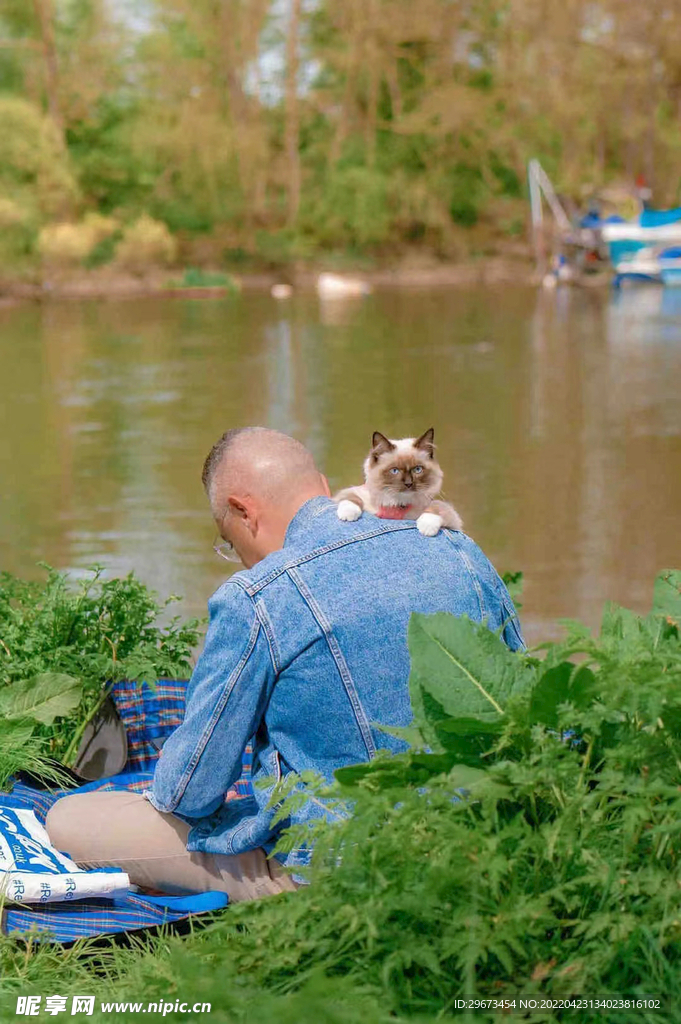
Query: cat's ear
[[426, 442], [380, 444]]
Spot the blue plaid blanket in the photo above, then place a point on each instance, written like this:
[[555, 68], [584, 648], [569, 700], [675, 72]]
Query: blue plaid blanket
[[149, 715]]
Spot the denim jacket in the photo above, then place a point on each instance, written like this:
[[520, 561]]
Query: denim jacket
[[307, 653]]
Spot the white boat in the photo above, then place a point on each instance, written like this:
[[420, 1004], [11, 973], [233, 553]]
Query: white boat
[[646, 249]]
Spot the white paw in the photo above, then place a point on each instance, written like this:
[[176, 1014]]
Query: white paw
[[348, 511], [429, 523]]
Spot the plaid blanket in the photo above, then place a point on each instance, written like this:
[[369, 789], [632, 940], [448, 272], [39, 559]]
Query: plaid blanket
[[149, 716]]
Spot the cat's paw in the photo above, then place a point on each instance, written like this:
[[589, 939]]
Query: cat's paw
[[429, 523], [348, 511], [455, 521]]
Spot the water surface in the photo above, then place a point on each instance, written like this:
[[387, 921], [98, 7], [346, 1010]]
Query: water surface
[[557, 416]]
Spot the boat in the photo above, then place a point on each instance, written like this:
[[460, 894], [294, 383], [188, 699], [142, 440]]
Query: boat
[[646, 249]]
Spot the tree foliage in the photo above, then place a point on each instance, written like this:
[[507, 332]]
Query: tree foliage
[[361, 124]]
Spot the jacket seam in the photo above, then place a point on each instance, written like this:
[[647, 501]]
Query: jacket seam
[[337, 655], [512, 622], [193, 762], [268, 630], [473, 577], [252, 588]]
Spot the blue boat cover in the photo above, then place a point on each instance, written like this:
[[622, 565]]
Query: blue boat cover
[[658, 218], [149, 714], [593, 220]]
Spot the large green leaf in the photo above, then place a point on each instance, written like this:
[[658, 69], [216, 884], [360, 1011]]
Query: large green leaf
[[667, 594], [42, 698], [469, 726], [558, 685], [469, 739], [415, 768], [410, 769], [460, 669], [14, 734]]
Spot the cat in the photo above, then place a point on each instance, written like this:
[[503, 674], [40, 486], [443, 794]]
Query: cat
[[402, 478]]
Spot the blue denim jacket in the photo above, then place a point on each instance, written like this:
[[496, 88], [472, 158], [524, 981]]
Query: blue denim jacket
[[307, 652]]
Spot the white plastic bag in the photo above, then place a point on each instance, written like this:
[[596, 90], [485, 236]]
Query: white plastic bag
[[32, 871]]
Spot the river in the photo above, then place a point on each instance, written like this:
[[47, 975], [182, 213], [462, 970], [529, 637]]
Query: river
[[557, 417]]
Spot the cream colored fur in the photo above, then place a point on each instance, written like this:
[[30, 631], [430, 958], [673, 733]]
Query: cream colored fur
[[401, 472]]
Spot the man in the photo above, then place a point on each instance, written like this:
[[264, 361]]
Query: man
[[306, 651]]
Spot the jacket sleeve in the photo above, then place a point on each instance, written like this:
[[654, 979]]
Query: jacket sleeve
[[226, 699]]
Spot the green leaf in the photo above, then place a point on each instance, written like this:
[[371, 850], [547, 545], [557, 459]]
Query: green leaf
[[465, 777], [514, 584], [667, 594], [620, 624], [583, 687], [460, 669], [558, 685], [469, 739], [469, 726], [671, 719], [550, 691], [410, 769], [43, 698], [14, 734], [408, 734]]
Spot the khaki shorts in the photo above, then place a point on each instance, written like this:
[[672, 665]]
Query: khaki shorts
[[124, 830]]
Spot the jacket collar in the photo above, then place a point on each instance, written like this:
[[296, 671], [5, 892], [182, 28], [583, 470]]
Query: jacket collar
[[305, 516]]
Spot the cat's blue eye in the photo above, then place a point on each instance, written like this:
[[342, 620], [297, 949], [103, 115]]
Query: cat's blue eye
[[417, 469], [394, 470]]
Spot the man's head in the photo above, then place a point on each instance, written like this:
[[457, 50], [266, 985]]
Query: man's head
[[256, 479]]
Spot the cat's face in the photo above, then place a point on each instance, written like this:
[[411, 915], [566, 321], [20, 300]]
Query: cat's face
[[405, 470]]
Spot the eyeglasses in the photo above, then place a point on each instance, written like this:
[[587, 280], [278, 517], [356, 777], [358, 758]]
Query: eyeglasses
[[225, 548]]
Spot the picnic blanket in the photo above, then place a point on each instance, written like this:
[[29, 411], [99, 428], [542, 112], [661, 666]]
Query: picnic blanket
[[149, 715]]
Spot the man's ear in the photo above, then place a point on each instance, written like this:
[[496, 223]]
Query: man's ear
[[246, 511], [237, 508]]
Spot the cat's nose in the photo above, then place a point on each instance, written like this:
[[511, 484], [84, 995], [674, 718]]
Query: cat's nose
[[408, 483]]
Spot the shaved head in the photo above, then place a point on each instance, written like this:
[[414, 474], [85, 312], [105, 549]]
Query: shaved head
[[264, 464]]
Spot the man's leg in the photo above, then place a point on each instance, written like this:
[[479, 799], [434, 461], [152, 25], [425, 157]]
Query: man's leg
[[124, 830]]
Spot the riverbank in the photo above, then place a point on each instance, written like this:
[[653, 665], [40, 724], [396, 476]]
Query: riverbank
[[106, 283]]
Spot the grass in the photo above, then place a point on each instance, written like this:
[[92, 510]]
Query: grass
[[195, 277], [527, 842]]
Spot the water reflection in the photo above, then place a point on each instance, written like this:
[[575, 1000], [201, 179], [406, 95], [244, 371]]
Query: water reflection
[[558, 419]]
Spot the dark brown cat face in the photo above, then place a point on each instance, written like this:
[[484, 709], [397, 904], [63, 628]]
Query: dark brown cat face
[[406, 472]]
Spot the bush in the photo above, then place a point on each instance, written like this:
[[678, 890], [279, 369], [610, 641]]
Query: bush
[[88, 634], [34, 165], [69, 245], [11, 214], [145, 244], [353, 209], [17, 235]]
